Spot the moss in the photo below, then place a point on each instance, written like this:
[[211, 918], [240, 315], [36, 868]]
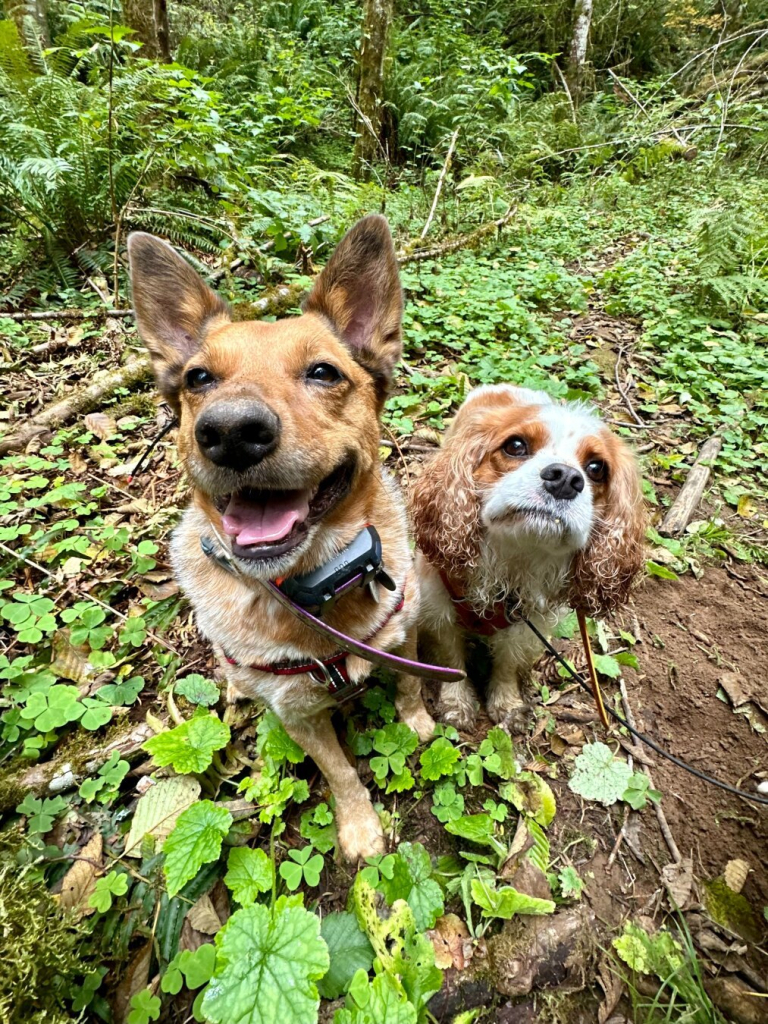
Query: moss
[[733, 911], [39, 948]]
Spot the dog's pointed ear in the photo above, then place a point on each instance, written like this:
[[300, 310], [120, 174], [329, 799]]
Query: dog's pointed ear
[[359, 292], [173, 306]]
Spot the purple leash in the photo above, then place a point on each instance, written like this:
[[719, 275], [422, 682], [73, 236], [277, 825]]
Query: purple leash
[[362, 650]]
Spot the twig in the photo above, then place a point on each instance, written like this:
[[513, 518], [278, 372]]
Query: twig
[[64, 314], [684, 505], [567, 91], [641, 106], [625, 392], [440, 180], [661, 817]]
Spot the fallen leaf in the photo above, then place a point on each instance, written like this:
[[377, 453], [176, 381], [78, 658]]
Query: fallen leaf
[[100, 424], [72, 566], [133, 980], [741, 691], [80, 881], [735, 874], [452, 942], [157, 811], [203, 918], [612, 985], [69, 663], [746, 507], [678, 881], [77, 463]]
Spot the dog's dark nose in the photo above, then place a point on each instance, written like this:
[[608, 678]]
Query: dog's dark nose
[[237, 433], [562, 481]]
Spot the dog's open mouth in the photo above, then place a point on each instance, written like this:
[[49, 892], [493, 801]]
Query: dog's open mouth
[[269, 523]]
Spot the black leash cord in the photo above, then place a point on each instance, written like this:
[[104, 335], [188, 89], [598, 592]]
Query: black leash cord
[[173, 422], [754, 797]]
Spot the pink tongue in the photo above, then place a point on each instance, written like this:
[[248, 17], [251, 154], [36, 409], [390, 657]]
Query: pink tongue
[[258, 521]]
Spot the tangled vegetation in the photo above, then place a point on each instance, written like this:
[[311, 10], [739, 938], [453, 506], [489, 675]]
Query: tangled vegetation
[[164, 856]]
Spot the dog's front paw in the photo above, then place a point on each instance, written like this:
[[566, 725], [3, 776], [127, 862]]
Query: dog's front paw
[[422, 723], [510, 712], [360, 832], [461, 714]]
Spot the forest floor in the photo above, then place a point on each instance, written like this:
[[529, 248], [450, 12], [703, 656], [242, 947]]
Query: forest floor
[[578, 299]]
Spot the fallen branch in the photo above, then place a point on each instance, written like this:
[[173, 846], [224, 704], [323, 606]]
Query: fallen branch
[[68, 770], [469, 241], [134, 372], [440, 180], [660, 815], [684, 505], [66, 314]]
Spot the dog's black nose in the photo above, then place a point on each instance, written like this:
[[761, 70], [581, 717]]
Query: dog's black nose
[[237, 433], [562, 481]]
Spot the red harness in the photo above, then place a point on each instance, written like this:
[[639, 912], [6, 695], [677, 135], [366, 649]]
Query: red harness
[[332, 671], [496, 618]]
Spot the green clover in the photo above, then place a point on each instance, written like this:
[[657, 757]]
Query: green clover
[[303, 865]]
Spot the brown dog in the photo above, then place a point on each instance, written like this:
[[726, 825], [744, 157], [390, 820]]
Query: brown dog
[[279, 435]]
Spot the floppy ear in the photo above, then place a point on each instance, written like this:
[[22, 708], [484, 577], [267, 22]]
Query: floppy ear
[[173, 306], [359, 292], [604, 572], [445, 507]]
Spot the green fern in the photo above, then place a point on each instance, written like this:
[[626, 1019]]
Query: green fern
[[732, 255]]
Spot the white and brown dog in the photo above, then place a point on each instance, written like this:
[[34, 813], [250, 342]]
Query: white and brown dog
[[529, 503], [279, 436]]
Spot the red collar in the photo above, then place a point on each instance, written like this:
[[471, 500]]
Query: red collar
[[332, 671], [494, 619]]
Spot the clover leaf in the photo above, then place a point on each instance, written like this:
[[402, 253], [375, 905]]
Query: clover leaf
[[41, 813], [304, 865], [53, 708], [122, 693], [144, 1007], [447, 804], [111, 885]]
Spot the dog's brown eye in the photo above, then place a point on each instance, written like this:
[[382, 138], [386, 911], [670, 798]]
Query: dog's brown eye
[[596, 470], [197, 378], [515, 447], [323, 373]]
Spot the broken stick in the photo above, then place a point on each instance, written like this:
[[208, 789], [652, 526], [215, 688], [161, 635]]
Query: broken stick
[[684, 505]]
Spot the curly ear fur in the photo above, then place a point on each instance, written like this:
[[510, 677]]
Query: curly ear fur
[[445, 506], [604, 573]]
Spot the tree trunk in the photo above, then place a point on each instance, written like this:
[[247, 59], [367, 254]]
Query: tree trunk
[[149, 20], [377, 17], [578, 53], [31, 21]]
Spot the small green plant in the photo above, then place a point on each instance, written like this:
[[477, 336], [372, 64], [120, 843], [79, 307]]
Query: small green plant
[[302, 866]]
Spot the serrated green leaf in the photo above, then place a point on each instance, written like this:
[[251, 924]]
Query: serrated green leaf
[[438, 759], [571, 883], [158, 810], [190, 746], [507, 901], [477, 828], [197, 689], [266, 966], [249, 872], [195, 840], [599, 775], [349, 950]]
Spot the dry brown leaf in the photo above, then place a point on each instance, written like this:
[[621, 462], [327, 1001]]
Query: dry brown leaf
[[452, 942], [612, 985], [77, 463], [735, 874], [69, 663], [203, 917], [80, 881], [678, 880], [134, 980], [100, 424]]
